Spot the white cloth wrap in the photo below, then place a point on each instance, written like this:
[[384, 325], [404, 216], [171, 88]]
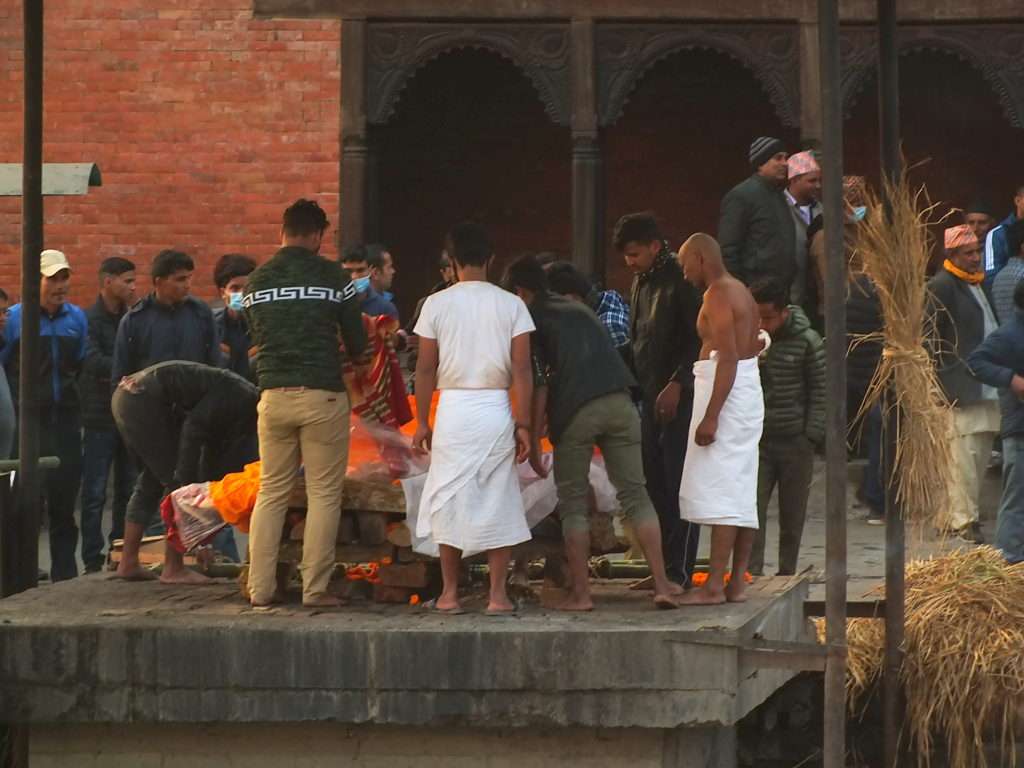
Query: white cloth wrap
[[719, 485], [472, 499]]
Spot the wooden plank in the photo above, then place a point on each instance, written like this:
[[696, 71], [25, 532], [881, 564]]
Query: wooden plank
[[291, 552], [855, 609], [360, 495]]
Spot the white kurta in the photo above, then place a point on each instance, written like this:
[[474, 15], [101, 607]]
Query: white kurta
[[472, 499], [719, 485]]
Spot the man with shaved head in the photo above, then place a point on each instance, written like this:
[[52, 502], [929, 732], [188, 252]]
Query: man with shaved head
[[719, 484]]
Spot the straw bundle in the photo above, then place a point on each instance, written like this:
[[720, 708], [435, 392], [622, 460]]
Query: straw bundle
[[893, 251], [963, 672]]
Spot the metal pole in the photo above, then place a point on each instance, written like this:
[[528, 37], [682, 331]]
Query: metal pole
[[835, 351], [895, 532], [27, 504]]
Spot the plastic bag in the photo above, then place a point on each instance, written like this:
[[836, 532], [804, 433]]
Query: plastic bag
[[190, 516]]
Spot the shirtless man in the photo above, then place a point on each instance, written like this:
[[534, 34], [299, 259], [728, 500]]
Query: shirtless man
[[719, 484]]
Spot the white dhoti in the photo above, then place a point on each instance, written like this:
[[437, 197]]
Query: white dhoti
[[472, 499], [719, 485]]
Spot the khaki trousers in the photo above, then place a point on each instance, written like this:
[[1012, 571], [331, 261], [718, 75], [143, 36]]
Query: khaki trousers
[[311, 426], [975, 429]]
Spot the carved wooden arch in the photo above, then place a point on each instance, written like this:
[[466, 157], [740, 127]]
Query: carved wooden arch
[[626, 52], [395, 52], [996, 51]]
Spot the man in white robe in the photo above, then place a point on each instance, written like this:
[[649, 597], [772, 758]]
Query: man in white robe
[[475, 348], [719, 483]]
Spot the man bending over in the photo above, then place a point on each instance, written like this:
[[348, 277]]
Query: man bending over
[[719, 485]]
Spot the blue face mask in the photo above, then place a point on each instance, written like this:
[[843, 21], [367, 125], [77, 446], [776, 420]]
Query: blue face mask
[[859, 213], [362, 284], [235, 302]]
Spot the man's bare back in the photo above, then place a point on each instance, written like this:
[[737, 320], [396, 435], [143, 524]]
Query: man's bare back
[[728, 296]]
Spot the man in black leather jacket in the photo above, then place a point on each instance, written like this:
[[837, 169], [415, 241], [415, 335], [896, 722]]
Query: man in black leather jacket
[[664, 347]]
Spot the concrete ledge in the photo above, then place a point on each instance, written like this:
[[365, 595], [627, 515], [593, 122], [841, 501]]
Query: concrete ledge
[[101, 651], [313, 746]]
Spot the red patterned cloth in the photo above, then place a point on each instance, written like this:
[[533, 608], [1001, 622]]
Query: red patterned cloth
[[375, 386]]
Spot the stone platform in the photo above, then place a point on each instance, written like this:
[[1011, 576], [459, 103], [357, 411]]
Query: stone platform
[[80, 657]]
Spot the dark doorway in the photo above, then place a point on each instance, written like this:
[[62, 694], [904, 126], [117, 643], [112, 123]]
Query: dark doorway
[[470, 140], [954, 132], [682, 143]]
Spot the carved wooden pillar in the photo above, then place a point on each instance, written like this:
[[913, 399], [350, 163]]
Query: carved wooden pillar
[[810, 82], [587, 185], [356, 160]]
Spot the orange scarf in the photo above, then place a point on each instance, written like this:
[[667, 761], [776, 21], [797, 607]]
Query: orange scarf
[[968, 277]]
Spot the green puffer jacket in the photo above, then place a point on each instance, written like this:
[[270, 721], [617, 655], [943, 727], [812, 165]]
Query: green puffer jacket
[[793, 379], [295, 304]]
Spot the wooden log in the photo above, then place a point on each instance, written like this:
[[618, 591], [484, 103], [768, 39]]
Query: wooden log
[[360, 495], [291, 552], [373, 528], [410, 575], [382, 593]]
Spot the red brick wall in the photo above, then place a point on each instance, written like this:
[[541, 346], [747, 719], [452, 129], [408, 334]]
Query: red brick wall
[[205, 124]]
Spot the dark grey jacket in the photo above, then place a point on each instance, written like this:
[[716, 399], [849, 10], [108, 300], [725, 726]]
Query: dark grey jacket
[[959, 324], [757, 233], [94, 381]]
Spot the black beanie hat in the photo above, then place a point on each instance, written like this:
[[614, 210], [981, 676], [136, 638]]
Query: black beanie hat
[[763, 148]]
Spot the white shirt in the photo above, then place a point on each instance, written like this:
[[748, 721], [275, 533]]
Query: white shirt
[[474, 324], [987, 392]]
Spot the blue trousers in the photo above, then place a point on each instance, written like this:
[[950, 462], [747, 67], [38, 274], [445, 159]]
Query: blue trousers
[[1010, 527], [103, 450]]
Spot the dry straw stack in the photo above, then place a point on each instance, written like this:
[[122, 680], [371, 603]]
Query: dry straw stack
[[963, 672], [894, 251]]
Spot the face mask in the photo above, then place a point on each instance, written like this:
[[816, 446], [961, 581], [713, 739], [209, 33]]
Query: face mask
[[859, 213], [362, 284], [235, 302]]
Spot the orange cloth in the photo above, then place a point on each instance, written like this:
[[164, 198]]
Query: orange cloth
[[234, 495], [974, 278]]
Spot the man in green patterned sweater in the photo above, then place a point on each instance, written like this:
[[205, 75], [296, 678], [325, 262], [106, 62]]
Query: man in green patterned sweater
[[297, 305]]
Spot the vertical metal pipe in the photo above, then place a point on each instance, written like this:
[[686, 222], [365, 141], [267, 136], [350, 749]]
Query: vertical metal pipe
[[31, 245], [895, 532], [835, 351]]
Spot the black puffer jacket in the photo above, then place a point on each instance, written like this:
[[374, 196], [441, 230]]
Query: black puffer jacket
[[793, 378], [94, 381], [663, 330]]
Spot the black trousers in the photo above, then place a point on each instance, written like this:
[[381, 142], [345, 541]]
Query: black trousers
[[60, 435], [664, 451]]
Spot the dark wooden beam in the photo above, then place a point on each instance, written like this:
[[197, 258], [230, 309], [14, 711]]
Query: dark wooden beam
[[697, 10], [587, 200], [355, 161]]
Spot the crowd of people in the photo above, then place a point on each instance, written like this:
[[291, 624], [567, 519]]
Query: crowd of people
[[705, 392]]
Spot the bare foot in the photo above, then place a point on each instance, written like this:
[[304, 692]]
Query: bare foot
[[276, 599], [184, 576], [676, 590], [134, 573], [702, 596], [736, 593], [324, 601], [574, 603], [666, 602], [500, 607]]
